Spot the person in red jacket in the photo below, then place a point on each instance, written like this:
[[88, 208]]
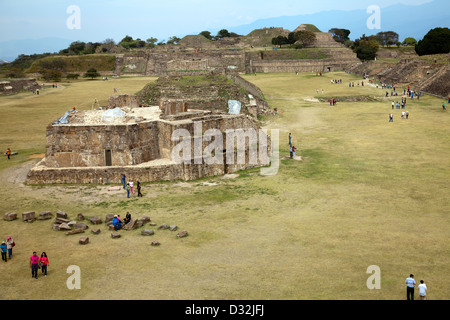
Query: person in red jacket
[[43, 261], [8, 153]]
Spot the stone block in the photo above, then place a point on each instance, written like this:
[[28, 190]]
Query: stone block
[[145, 219], [95, 220], [61, 214], [64, 227], [182, 234], [61, 220], [45, 215], [75, 231], [83, 240], [10, 216], [131, 225], [80, 225], [147, 232], [29, 216], [115, 235], [95, 231], [109, 217]]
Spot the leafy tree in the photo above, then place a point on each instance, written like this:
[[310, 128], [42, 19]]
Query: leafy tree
[[409, 41], [90, 47], [126, 39], [305, 37], [366, 47], [206, 34], [109, 41], [223, 34], [76, 47], [173, 40], [291, 39], [92, 73], [436, 41], [151, 42], [279, 41], [340, 35], [388, 37]]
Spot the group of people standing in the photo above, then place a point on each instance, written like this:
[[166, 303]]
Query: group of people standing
[[6, 249], [36, 262], [410, 285], [129, 186]]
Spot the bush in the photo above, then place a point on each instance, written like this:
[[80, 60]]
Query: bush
[[435, 41], [53, 75], [91, 73], [297, 46], [72, 76]]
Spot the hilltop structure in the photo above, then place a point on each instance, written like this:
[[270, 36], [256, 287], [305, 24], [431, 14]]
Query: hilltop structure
[[196, 54]]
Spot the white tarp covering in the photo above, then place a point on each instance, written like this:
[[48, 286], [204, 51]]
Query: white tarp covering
[[234, 107], [111, 114]]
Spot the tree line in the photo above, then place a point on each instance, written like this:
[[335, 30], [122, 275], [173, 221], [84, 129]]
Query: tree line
[[366, 47]]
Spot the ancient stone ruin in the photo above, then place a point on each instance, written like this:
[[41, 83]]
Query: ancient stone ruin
[[136, 136]]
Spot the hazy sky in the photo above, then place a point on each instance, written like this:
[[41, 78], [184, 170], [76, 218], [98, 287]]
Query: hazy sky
[[115, 19]]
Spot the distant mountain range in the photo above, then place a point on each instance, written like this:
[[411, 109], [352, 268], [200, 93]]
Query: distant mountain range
[[3, 61], [406, 20]]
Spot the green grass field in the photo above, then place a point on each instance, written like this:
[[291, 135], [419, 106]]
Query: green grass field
[[367, 192]]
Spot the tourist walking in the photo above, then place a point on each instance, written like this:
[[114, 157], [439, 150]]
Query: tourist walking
[[43, 261], [123, 178], [443, 108], [410, 284], [290, 138], [422, 290], [4, 250], [128, 190], [293, 150], [132, 187], [8, 153], [139, 189], [391, 117], [407, 114], [9, 245], [290, 152], [34, 265]]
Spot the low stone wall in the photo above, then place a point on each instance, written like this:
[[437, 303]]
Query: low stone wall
[[9, 86], [303, 65]]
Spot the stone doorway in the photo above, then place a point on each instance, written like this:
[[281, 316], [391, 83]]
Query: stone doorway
[[108, 158]]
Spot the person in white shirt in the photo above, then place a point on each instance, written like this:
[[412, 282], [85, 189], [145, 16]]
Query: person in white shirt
[[422, 290], [410, 283]]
